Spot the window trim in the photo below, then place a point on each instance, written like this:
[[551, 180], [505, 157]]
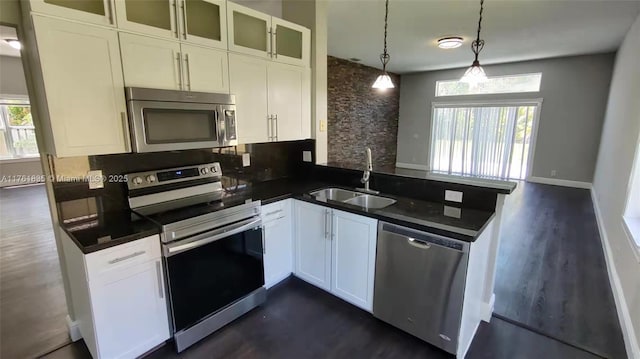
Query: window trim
[[15, 101], [492, 103], [493, 93], [631, 216]]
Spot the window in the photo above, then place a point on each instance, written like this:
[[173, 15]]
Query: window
[[486, 140], [17, 134], [632, 212], [494, 85]]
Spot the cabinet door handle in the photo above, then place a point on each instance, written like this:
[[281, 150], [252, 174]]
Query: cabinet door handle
[[183, 6], [108, 11], [264, 247], [159, 275], [326, 223], [124, 258], [175, 18], [270, 43], [275, 121], [273, 212], [188, 71], [274, 50], [179, 61], [125, 131]]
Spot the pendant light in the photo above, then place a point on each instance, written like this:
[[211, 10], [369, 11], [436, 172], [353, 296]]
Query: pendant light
[[475, 74], [383, 81]]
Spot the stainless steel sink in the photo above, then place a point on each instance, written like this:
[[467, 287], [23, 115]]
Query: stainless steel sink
[[371, 201], [354, 198], [335, 194]]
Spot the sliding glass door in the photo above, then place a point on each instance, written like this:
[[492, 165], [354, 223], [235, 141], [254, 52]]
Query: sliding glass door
[[488, 140]]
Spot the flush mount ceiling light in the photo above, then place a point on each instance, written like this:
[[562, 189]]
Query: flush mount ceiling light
[[450, 42], [14, 43], [383, 81], [475, 74]]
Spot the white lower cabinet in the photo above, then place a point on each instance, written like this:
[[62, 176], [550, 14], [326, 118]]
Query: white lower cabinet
[[335, 250], [277, 225], [118, 297]]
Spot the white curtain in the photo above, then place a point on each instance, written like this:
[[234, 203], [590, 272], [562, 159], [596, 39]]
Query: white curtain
[[485, 141]]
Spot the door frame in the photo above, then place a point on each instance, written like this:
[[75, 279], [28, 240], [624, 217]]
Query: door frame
[[491, 103]]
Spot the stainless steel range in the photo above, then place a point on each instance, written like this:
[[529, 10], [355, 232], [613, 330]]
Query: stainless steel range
[[212, 247]]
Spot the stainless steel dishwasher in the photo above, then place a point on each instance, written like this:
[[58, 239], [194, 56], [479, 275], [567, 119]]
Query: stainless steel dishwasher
[[419, 283]]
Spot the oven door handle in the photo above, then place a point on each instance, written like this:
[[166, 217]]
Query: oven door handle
[[208, 237]]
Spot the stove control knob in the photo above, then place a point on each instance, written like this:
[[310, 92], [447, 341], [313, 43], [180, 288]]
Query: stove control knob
[[151, 178], [137, 180], [214, 169], [204, 170]]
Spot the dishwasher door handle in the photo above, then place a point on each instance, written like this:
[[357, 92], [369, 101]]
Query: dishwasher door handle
[[418, 244]]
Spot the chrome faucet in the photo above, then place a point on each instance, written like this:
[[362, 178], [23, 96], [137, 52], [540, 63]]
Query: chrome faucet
[[366, 176]]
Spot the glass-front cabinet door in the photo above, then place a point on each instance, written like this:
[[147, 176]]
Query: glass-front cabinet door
[[156, 17], [203, 22], [291, 42], [249, 31], [94, 11]]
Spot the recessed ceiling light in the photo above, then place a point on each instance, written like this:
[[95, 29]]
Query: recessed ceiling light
[[450, 42], [14, 43]]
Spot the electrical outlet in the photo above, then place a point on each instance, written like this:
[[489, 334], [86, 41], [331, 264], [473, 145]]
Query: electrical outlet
[[306, 156], [323, 125], [554, 173], [454, 212], [95, 179], [453, 196]]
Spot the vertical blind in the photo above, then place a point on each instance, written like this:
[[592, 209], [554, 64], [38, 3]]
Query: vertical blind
[[486, 141]]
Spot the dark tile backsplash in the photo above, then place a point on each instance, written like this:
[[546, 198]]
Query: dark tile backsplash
[[269, 161], [360, 116]]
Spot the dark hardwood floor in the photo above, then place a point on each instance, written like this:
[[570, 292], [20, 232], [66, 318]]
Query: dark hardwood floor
[[32, 302], [302, 321], [551, 273]]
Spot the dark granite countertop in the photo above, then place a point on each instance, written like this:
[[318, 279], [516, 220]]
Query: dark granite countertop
[[93, 230], [460, 223]]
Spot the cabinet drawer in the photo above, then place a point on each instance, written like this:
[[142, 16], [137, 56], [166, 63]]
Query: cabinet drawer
[[124, 255], [274, 211]]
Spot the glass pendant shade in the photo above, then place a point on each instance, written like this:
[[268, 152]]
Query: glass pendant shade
[[474, 74], [383, 82]]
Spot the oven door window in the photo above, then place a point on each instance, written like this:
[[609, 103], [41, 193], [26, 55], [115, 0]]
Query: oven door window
[[179, 126], [205, 279]]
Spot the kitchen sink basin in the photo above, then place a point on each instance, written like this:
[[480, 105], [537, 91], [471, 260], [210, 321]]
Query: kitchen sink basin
[[370, 201], [335, 194]]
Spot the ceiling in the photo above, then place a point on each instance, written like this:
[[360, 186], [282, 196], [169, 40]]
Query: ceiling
[[7, 32], [514, 30]]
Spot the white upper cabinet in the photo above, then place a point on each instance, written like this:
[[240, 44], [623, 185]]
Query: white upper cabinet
[[205, 70], [254, 33], [312, 240], [203, 22], [291, 42], [150, 62], [289, 102], [99, 12], [249, 31], [157, 17], [82, 77], [248, 82]]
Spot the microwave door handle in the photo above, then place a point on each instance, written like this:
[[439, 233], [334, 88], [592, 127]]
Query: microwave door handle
[[220, 123]]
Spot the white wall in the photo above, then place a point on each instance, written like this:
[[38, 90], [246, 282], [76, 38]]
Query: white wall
[[620, 137], [574, 90], [271, 7]]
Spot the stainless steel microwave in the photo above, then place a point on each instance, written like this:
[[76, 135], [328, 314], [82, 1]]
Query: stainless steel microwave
[[168, 120]]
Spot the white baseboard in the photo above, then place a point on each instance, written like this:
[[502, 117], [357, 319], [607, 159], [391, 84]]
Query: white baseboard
[[487, 309], [74, 329], [412, 166], [628, 333], [559, 182]]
